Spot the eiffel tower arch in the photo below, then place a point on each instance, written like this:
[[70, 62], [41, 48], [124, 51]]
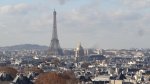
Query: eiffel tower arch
[[54, 48]]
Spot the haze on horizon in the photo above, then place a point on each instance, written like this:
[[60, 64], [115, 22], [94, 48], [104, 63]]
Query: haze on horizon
[[94, 23]]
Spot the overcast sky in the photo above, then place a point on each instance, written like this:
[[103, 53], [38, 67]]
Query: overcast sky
[[94, 23]]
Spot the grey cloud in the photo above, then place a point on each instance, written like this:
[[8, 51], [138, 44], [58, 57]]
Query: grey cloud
[[61, 2], [136, 4], [11, 9], [141, 32]]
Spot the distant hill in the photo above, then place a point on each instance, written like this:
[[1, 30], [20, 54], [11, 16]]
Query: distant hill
[[24, 47]]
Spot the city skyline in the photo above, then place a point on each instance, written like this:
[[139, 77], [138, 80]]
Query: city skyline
[[94, 23]]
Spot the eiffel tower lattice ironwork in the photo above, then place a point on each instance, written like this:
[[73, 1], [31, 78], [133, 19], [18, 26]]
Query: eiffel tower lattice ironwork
[[55, 48]]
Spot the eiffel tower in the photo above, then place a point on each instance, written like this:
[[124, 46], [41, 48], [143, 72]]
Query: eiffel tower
[[54, 48]]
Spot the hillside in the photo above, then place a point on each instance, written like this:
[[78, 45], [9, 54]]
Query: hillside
[[24, 47]]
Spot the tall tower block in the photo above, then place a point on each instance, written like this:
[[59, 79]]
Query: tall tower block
[[54, 48]]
